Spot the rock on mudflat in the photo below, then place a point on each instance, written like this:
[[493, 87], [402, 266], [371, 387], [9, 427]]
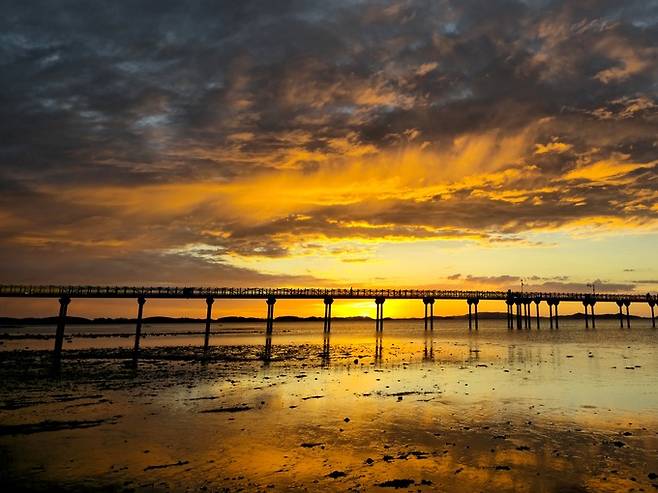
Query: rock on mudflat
[[397, 483]]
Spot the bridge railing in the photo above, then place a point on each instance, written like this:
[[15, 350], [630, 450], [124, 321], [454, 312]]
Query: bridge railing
[[262, 292]]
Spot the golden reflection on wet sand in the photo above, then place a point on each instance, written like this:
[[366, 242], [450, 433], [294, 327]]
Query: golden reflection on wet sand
[[428, 412]]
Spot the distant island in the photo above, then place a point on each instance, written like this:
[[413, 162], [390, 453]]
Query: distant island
[[13, 321]]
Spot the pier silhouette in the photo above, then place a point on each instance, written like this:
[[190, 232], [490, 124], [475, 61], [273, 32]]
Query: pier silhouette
[[520, 301]]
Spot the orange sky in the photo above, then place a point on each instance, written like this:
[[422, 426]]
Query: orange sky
[[392, 145]]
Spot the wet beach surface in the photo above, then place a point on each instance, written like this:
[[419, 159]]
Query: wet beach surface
[[493, 410]]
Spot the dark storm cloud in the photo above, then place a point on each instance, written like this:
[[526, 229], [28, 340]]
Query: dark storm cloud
[[125, 85], [132, 93]]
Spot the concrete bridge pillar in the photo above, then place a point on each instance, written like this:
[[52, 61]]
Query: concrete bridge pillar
[[519, 319], [652, 302], [429, 313], [592, 303], [537, 301], [59, 334], [328, 301], [528, 303], [627, 304], [472, 302], [526, 313], [379, 321], [138, 327], [586, 304], [270, 314], [510, 314], [620, 303], [475, 304], [550, 313], [206, 341], [557, 317]]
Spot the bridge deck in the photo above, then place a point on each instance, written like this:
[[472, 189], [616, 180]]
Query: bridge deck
[[19, 291]]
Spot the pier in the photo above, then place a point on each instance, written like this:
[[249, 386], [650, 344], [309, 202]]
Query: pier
[[521, 301]]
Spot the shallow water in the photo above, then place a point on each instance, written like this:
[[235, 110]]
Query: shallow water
[[560, 410]]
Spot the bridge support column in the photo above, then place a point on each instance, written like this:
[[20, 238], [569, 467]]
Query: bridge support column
[[621, 315], [627, 304], [270, 314], [557, 317], [537, 301], [518, 315], [470, 314], [508, 304], [429, 313], [592, 303], [138, 327], [59, 334], [327, 314], [585, 304], [529, 313], [550, 313], [426, 310], [379, 322], [206, 341], [475, 303], [653, 315]]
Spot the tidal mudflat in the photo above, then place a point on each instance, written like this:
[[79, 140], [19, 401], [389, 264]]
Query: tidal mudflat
[[453, 410]]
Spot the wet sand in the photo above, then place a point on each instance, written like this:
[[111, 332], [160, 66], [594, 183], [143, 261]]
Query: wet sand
[[568, 410]]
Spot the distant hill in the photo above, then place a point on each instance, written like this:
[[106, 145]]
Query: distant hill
[[8, 321]]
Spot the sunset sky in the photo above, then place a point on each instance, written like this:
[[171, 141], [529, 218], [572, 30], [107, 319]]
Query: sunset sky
[[442, 144]]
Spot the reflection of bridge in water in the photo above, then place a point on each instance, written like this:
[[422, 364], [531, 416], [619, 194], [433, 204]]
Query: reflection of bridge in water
[[325, 355], [520, 301]]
